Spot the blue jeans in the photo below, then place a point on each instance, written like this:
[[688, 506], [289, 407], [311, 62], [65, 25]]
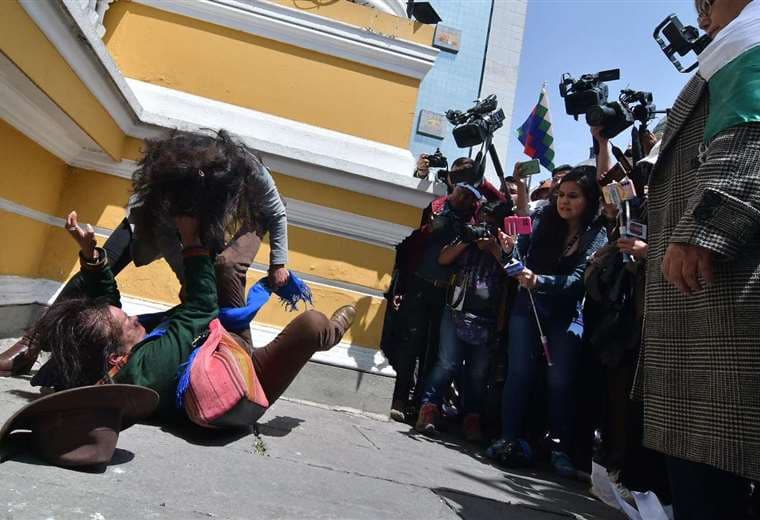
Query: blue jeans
[[451, 352], [524, 360]]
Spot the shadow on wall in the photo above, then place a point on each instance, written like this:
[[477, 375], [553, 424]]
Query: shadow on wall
[[363, 320]]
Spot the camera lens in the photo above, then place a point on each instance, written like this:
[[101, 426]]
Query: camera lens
[[597, 115]]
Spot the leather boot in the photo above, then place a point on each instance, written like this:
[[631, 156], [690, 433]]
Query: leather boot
[[19, 358], [344, 318]]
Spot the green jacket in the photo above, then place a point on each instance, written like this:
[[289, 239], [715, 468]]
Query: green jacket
[[155, 361]]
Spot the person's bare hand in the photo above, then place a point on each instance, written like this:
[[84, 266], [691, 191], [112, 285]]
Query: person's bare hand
[[684, 264], [610, 210], [647, 140], [633, 246], [397, 301], [423, 166], [278, 276], [517, 175], [188, 230], [527, 279], [507, 242], [84, 237], [596, 131]]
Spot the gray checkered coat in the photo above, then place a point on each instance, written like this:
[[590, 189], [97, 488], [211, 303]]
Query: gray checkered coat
[[699, 371]]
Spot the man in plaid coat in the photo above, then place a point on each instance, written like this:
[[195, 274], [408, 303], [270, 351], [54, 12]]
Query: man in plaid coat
[[699, 370]]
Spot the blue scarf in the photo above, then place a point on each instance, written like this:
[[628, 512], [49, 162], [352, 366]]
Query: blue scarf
[[238, 318], [293, 292]]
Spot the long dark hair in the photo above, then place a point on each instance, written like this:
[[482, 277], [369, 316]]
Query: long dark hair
[[548, 242], [80, 334], [199, 174]]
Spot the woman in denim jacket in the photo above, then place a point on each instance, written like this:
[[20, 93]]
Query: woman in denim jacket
[[564, 237]]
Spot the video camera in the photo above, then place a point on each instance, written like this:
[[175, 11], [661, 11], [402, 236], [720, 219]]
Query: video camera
[[495, 211], [473, 232], [586, 92], [680, 40], [614, 117], [476, 124]]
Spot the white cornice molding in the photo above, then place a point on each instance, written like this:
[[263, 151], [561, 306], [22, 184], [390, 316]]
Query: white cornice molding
[[109, 88], [309, 152], [308, 31], [18, 290], [45, 218], [345, 224], [31, 112]]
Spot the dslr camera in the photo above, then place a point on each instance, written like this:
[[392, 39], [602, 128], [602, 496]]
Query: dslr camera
[[588, 91], [614, 117], [435, 160], [476, 124]]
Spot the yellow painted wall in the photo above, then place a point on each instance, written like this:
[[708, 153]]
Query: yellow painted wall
[[219, 63], [24, 240], [26, 46], [29, 174], [32, 177]]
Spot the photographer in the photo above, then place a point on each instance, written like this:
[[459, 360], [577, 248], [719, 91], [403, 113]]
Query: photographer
[[565, 235], [468, 324], [425, 296], [700, 360], [463, 169]]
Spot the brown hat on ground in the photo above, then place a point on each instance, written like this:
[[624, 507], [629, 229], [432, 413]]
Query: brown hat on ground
[[80, 427]]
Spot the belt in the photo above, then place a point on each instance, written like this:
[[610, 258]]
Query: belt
[[438, 284]]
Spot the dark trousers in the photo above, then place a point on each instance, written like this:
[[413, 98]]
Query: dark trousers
[[702, 492], [279, 362], [421, 308], [451, 352], [524, 360]]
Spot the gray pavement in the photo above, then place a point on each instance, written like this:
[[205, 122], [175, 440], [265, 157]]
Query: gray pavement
[[308, 462]]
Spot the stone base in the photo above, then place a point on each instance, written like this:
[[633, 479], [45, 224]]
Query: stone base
[[336, 386], [14, 319]]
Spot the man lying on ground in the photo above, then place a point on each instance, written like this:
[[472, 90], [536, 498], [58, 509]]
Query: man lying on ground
[[92, 339]]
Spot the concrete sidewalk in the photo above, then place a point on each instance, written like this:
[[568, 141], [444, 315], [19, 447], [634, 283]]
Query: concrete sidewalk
[[308, 462]]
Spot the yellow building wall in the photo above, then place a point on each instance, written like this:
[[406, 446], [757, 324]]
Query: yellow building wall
[[249, 71], [27, 47], [32, 177]]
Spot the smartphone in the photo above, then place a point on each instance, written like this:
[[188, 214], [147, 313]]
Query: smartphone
[[514, 267], [528, 168], [518, 225]]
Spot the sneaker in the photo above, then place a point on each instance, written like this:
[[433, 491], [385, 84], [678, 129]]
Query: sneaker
[[562, 464], [617, 483], [471, 428], [511, 454], [397, 411], [427, 418]]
